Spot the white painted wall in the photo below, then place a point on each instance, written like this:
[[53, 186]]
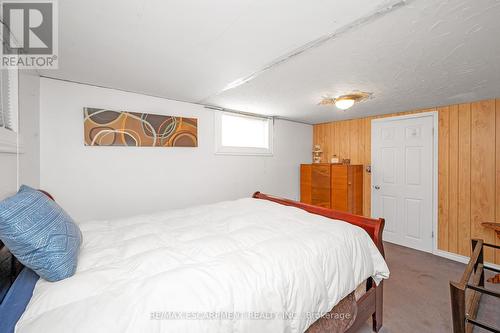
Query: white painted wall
[[29, 123], [106, 182], [29, 160]]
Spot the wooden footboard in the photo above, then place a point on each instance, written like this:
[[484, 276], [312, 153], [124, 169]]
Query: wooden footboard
[[371, 303]]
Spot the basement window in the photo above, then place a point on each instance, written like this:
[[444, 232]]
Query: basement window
[[237, 134]]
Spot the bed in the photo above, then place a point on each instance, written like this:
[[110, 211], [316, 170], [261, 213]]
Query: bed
[[261, 264]]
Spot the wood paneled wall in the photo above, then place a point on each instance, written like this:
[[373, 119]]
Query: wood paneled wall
[[469, 168]]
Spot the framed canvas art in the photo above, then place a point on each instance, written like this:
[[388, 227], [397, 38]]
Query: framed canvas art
[[104, 127]]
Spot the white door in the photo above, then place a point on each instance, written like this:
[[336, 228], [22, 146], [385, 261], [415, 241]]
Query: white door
[[402, 179]]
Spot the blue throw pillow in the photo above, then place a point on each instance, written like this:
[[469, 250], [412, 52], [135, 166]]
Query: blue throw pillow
[[40, 234]]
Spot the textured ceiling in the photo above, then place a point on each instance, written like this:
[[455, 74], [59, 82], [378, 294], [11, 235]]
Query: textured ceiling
[[416, 54]]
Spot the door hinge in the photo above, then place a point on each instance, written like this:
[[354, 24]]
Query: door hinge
[[432, 234]]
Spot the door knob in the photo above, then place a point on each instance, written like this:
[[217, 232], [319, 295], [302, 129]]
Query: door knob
[[377, 187]]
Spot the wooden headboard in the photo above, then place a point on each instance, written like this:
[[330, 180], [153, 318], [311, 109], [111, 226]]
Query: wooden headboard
[[374, 227]]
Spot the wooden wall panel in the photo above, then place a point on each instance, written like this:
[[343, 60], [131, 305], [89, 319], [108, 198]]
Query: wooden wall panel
[[337, 138], [443, 177], [332, 142], [322, 137], [483, 170], [354, 141], [497, 180], [345, 140], [453, 181], [317, 134], [464, 148], [361, 141], [469, 168]]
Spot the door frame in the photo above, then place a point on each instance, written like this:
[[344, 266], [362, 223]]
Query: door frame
[[435, 171]]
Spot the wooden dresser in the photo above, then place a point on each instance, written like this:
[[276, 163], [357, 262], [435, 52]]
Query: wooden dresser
[[335, 186]]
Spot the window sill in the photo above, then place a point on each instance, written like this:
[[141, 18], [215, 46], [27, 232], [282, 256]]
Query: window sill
[[8, 142], [245, 151], [243, 154]]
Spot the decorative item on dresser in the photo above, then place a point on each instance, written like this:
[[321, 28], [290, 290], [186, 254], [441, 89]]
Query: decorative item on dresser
[[335, 159], [335, 186], [317, 154]]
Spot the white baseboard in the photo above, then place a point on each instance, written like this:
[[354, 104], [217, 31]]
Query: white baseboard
[[460, 258]]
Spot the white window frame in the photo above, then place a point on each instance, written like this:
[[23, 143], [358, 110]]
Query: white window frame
[[232, 150], [9, 138], [8, 141]]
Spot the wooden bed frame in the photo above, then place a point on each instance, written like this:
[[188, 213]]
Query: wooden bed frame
[[371, 303]]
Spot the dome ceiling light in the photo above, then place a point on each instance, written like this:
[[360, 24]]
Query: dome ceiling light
[[344, 102]]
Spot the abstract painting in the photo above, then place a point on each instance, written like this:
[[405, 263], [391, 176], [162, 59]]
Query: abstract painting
[[121, 128]]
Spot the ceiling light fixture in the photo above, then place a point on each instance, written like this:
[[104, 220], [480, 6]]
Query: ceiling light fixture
[[344, 102]]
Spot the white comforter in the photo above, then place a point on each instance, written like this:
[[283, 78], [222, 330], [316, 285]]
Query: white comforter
[[237, 266]]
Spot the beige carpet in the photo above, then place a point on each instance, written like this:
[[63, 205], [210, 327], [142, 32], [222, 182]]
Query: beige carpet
[[416, 296]]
